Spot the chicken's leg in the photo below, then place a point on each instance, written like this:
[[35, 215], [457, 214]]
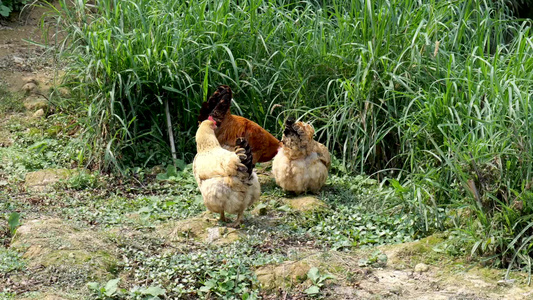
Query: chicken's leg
[[222, 217], [237, 222]]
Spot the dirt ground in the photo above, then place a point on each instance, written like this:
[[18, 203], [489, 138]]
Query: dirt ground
[[22, 58]]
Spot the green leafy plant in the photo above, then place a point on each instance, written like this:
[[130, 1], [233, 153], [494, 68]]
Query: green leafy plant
[[14, 222], [173, 172], [8, 6], [111, 290], [318, 280], [83, 179], [108, 291], [10, 261]]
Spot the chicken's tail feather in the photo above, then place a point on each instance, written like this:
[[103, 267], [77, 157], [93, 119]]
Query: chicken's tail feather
[[209, 106], [205, 110], [289, 129], [242, 147], [223, 103]]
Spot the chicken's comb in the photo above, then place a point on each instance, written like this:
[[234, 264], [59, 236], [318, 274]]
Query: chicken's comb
[[210, 118]]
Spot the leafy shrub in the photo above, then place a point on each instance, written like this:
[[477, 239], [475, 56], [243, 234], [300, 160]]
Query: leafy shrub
[[9, 6]]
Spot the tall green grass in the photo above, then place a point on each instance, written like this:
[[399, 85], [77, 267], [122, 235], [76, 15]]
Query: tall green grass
[[436, 94]]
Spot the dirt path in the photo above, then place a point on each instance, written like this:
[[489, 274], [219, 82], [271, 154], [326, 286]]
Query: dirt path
[[22, 61]]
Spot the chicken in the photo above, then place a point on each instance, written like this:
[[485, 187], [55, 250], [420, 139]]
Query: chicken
[[264, 145], [226, 179], [302, 163]]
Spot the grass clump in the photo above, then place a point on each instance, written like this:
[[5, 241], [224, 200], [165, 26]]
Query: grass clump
[[10, 102]]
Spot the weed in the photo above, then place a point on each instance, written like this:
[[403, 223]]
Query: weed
[[14, 222], [377, 260], [318, 281], [9, 102], [10, 261]]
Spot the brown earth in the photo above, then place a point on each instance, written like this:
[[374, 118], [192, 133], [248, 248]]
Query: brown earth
[[23, 59]]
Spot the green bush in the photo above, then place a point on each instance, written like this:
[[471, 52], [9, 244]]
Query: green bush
[[9, 6]]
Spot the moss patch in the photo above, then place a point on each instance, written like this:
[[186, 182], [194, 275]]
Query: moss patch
[[42, 179], [408, 255], [304, 204], [73, 255], [201, 229]]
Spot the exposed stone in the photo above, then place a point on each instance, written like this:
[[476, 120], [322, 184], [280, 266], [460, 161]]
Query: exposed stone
[[18, 60], [38, 114], [305, 203], [35, 102], [201, 229], [421, 268], [42, 179], [29, 88], [71, 253], [407, 255], [285, 275]]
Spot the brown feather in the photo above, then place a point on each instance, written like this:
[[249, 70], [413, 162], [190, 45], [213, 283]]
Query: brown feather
[[263, 144]]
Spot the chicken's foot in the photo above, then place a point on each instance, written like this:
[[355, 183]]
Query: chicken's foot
[[237, 222]]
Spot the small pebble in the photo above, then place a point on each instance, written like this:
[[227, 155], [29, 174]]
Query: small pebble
[[421, 268], [39, 113]]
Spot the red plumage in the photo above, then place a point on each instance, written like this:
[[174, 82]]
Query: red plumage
[[229, 127]]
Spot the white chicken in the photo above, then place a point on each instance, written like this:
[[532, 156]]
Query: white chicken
[[226, 179], [302, 163]]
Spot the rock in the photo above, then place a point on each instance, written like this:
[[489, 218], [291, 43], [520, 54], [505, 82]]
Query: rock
[[18, 60], [29, 88], [305, 203], [38, 114], [287, 274], [71, 254], [42, 179], [406, 255], [35, 102], [201, 229], [421, 268]]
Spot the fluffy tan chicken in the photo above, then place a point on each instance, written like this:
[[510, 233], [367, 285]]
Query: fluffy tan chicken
[[302, 164], [226, 179]]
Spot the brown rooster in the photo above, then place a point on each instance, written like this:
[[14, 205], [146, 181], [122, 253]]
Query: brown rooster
[[229, 127]]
